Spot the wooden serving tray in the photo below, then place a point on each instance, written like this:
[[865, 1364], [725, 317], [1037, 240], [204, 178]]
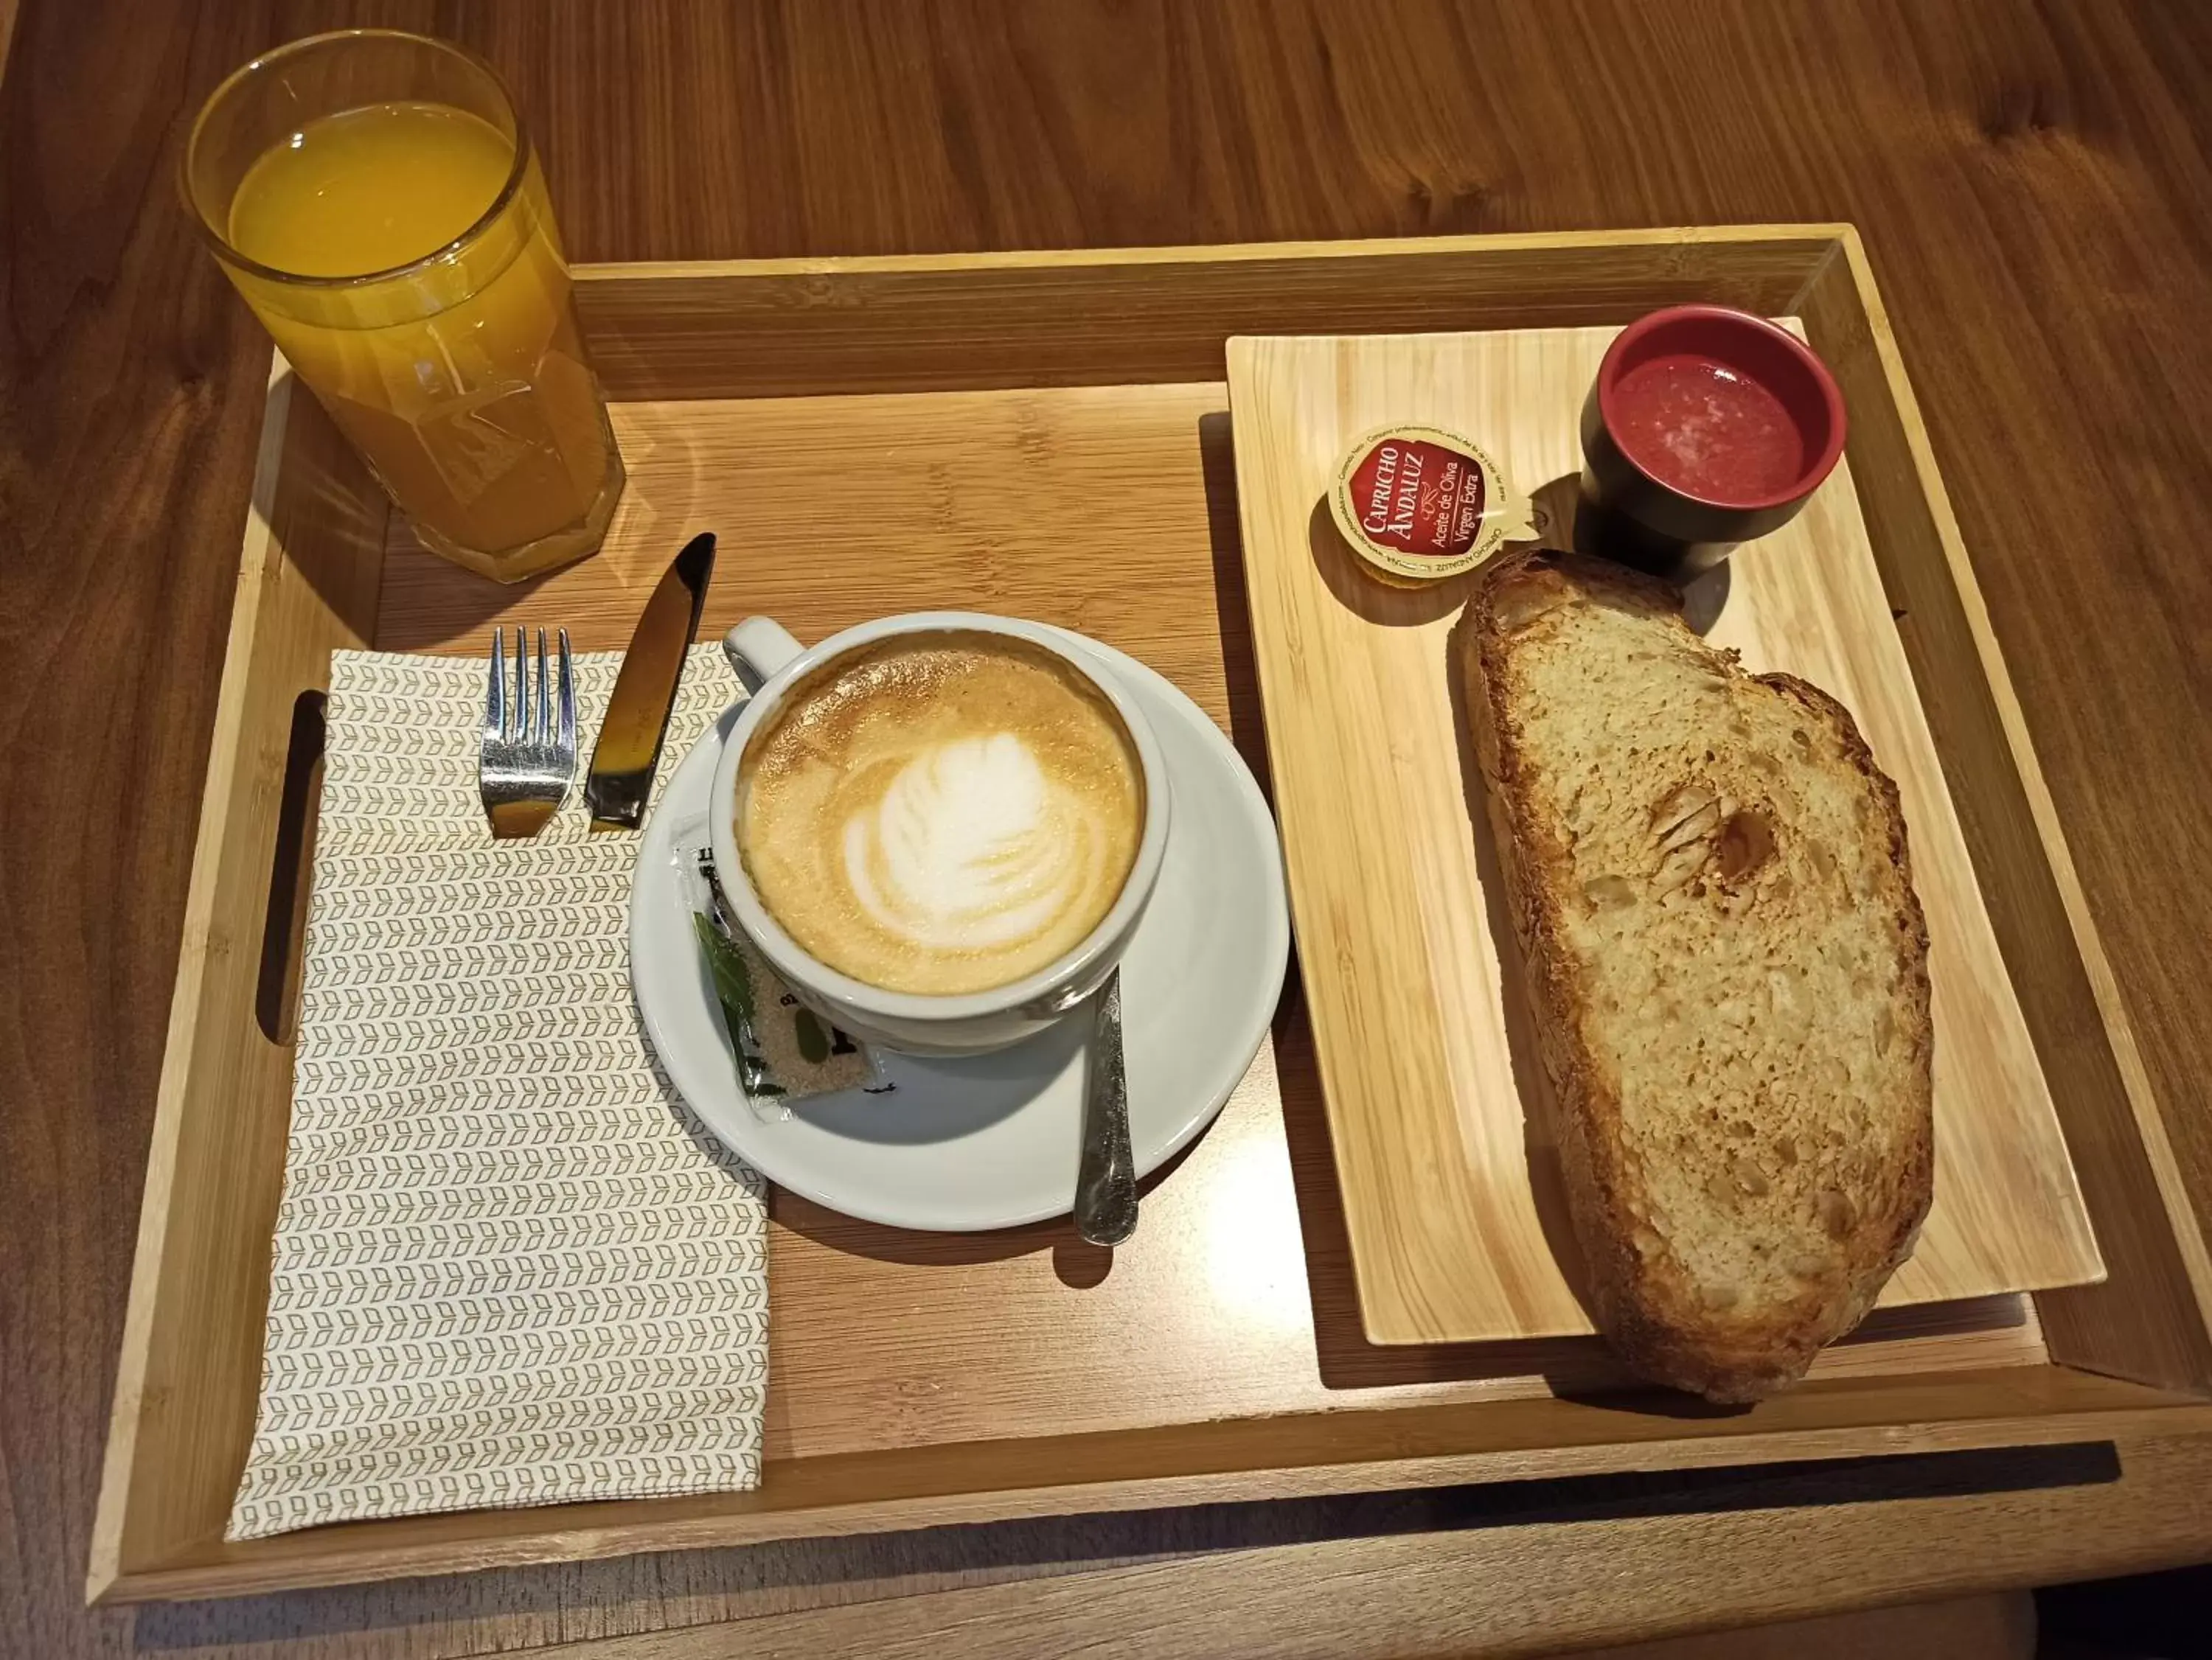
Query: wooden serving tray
[[1050, 437], [1451, 1188]]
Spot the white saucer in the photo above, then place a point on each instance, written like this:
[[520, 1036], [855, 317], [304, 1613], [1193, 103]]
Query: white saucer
[[987, 1142]]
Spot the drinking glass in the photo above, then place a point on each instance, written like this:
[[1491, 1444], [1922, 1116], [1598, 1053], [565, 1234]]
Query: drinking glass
[[458, 373]]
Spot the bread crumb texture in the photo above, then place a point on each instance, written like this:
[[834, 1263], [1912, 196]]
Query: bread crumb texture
[[1729, 968]]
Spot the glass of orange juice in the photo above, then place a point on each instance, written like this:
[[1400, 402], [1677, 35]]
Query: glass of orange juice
[[374, 197]]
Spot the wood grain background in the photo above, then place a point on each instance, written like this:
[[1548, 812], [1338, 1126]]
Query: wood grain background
[[2032, 180]]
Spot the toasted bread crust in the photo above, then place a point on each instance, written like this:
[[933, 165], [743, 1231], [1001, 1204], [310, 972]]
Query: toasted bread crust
[[1652, 1312]]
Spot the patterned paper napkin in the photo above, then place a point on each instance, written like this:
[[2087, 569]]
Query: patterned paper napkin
[[510, 1267]]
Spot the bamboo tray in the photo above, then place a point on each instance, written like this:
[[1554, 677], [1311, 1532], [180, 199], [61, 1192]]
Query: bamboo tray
[[1052, 438], [1451, 1189]]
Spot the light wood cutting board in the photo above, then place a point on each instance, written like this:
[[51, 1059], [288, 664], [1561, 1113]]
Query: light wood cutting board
[[1457, 1225]]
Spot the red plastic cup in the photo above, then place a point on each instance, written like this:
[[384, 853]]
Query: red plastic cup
[[1707, 427]]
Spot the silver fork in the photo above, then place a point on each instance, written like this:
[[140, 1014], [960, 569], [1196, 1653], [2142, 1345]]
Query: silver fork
[[527, 761]]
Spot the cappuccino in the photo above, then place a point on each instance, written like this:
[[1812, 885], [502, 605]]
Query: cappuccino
[[940, 813]]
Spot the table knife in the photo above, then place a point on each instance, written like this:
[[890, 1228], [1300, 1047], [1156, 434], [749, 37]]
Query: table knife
[[629, 747]]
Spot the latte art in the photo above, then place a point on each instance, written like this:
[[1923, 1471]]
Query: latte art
[[973, 848], [940, 813]]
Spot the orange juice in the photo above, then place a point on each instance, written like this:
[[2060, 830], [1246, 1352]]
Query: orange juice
[[369, 189], [416, 283]]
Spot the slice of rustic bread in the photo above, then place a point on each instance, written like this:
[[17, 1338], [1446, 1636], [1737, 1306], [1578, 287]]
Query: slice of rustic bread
[[1729, 970]]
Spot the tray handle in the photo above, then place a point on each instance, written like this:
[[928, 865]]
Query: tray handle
[[276, 991]]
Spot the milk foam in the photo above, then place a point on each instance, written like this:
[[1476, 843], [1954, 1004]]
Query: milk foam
[[943, 815], [971, 849]]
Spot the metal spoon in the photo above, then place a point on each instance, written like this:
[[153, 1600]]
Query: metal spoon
[[1106, 1179]]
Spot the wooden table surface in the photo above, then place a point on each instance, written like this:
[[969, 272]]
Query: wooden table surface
[[2033, 182]]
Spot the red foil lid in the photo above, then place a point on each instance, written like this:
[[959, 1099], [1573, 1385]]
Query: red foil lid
[[1417, 504]]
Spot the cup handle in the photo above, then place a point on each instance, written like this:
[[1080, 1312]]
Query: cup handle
[[757, 649]]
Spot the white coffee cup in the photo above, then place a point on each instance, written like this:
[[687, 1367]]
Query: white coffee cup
[[772, 662]]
